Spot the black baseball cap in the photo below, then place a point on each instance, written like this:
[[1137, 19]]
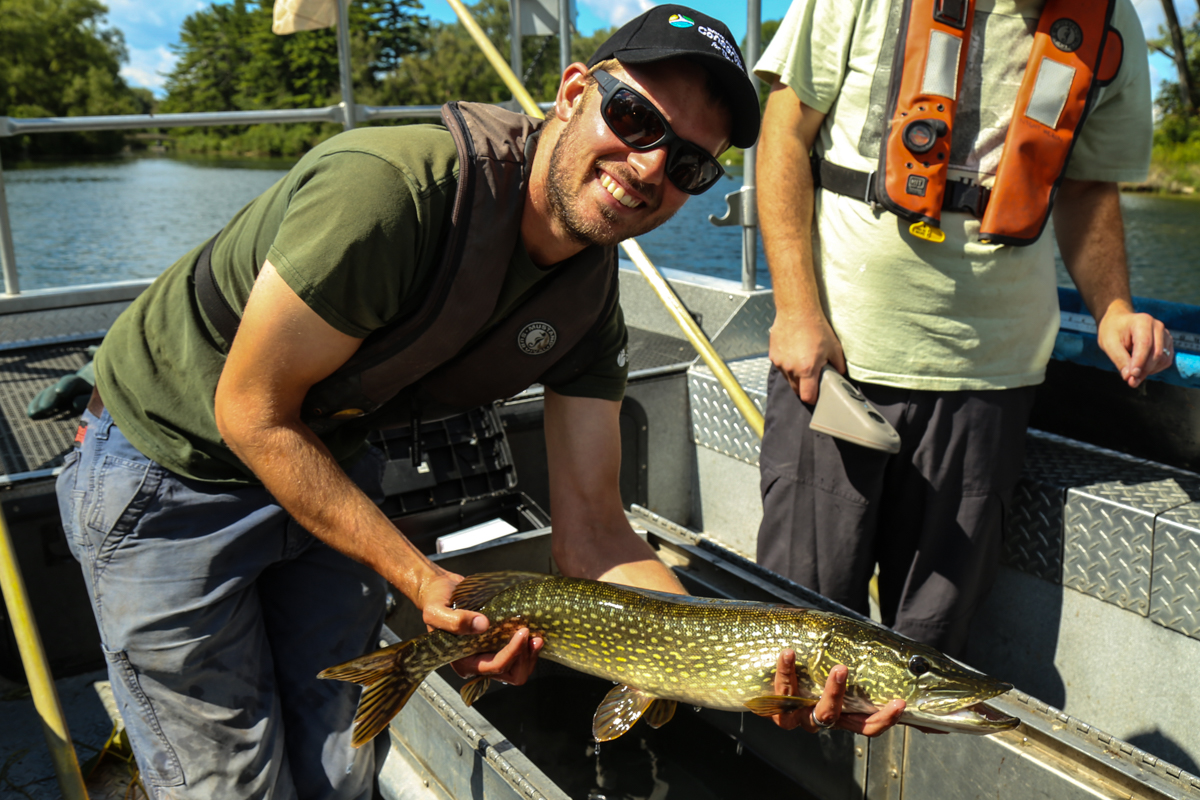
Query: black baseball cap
[[673, 31]]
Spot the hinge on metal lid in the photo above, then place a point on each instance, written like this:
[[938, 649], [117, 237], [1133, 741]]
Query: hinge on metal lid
[[951, 12]]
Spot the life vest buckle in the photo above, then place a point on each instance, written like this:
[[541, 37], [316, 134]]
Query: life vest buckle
[[963, 196], [951, 12], [869, 195]]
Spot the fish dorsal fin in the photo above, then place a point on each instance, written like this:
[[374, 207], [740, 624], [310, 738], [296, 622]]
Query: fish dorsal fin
[[660, 713], [476, 590], [617, 712]]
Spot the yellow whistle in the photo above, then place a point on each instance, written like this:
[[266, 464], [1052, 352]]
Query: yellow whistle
[[927, 232]]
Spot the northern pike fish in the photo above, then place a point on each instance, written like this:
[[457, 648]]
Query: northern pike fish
[[664, 649]]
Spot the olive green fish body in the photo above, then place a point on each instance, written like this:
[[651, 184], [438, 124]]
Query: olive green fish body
[[662, 649]]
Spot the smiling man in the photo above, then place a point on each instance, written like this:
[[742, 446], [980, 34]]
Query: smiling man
[[223, 499]]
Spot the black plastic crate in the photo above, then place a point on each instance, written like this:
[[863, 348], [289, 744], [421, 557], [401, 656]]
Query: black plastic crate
[[460, 458]]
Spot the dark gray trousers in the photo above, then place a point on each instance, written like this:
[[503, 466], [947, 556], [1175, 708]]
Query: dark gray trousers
[[931, 516]]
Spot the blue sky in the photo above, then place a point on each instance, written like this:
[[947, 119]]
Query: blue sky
[[151, 26]]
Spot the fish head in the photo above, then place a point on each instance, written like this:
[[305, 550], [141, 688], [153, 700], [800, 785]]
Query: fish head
[[939, 692]]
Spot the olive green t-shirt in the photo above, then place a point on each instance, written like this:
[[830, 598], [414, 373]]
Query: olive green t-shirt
[[354, 229]]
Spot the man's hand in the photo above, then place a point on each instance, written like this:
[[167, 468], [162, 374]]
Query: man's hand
[[801, 349], [1138, 344], [511, 664], [827, 713], [1091, 238]]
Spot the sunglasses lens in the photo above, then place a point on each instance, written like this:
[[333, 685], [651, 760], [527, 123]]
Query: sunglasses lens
[[639, 125], [693, 170], [632, 120]]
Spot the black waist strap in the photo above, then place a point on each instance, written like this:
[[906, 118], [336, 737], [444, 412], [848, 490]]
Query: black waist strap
[[960, 196], [208, 293]]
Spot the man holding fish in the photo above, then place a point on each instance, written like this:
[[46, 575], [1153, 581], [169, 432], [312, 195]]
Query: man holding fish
[[222, 499]]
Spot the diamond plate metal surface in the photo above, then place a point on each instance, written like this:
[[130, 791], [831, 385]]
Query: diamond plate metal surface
[[1109, 534], [27, 445], [747, 333], [716, 422], [1175, 580], [1033, 526]]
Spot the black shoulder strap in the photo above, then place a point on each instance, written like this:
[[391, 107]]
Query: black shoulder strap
[[208, 293]]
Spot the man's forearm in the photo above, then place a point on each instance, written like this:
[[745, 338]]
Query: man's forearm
[[1091, 237], [301, 474], [785, 202]]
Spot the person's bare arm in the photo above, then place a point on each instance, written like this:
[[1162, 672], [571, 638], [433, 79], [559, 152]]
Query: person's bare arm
[[802, 340], [1091, 238], [282, 348], [592, 537]]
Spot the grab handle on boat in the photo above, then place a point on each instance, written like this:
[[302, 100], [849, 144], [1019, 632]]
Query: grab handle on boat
[[37, 670], [690, 329]]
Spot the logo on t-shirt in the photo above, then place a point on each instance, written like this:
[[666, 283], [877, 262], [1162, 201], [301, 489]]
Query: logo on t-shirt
[[537, 338]]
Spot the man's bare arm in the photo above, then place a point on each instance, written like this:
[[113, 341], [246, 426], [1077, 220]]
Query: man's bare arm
[[1091, 238], [802, 340], [592, 537], [282, 348]]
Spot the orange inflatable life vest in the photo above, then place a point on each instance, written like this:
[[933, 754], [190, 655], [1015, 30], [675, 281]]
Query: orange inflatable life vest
[[1075, 51]]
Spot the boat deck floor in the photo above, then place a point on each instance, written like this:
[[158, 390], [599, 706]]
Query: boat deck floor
[[29, 446]]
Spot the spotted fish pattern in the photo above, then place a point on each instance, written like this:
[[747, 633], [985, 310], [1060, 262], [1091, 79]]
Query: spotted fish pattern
[[662, 649]]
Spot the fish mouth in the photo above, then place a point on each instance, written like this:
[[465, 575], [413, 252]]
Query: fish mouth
[[975, 718], [949, 701]]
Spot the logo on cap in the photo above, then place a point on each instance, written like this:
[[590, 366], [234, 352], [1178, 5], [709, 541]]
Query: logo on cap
[[680, 21]]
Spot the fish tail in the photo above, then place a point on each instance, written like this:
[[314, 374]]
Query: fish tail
[[391, 675]]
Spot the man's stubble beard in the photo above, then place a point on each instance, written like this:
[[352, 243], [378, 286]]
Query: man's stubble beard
[[558, 195]]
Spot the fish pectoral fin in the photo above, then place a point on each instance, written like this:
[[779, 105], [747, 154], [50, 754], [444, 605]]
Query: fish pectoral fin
[[619, 709], [770, 704], [474, 689], [660, 713]]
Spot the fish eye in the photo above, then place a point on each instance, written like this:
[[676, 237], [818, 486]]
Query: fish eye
[[918, 666]]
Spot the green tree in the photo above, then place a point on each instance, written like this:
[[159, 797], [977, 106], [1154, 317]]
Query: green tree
[[448, 65], [57, 58], [229, 60]]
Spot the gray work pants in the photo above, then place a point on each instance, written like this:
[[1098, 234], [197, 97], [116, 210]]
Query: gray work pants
[[931, 516], [216, 611]]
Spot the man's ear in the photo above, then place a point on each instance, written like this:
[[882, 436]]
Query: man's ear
[[570, 90]]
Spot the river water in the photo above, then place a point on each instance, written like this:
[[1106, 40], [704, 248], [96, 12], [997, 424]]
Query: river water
[[129, 218]]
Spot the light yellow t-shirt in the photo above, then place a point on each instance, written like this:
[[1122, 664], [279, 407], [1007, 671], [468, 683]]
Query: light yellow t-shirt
[[959, 314]]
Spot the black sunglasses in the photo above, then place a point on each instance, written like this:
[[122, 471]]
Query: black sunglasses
[[637, 123]]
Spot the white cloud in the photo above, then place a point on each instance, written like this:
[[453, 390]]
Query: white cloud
[[617, 12], [148, 68]]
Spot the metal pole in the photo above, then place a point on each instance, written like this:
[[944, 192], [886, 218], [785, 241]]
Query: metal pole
[[634, 250], [343, 41], [8, 259], [514, 36], [37, 671], [564, 35], [750, 195]]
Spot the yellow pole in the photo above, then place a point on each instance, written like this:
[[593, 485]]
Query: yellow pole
[[496, 60], [696, 336], [37, 671]]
